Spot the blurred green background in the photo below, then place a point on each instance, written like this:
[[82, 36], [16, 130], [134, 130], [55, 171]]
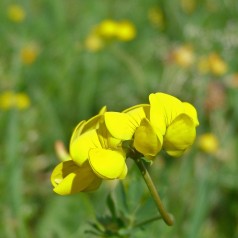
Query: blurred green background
[[55, 71]]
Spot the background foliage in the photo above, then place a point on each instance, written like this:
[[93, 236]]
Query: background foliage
[[184, 48]]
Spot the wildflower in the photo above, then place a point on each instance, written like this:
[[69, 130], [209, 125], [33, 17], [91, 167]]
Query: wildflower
[[213, 63], [28, 54], [134, 123], [156, 17], [188, 6], [69, 178], [175, 120], [217, 64], [95, 155], [107, 29], [166, 122], [208, 143], [125, 31], [92, 142], [10, 100], [16, 13], [94, 43], [115, 30], [99, 146], [183, 56]]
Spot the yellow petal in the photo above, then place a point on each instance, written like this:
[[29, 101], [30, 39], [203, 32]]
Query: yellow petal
[[107, 164], [124, 172], [106, 139], [146, 140], [120, 125], [80, 146], [138, 112], [163, 110], [92, 123], [191, 111], [102, 110], [77, 131], [68, 178], [179, 135]]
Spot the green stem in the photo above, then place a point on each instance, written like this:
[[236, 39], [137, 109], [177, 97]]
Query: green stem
[[168, 219], [145, 222]]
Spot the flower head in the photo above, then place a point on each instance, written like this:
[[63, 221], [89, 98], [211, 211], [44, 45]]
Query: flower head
[[212, 63], [94, 43], [99, 146], [69, 178], [166, 123], [176, 121], [208, 143], [183, 56], [125, 31], [156, 17], [16, 13], [29, 54], [95, 145], [9, 99]]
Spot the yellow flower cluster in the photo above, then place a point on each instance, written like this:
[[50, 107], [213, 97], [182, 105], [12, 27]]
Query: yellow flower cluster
[[183, 56], [11, 99], [208, 143], [156, 17], [16, 13], [29, 54], [99, 146], [214, 64], [110, 30]]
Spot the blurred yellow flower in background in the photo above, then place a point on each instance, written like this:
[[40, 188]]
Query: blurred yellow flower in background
[[188, 6], [156, 17], [16, 13], [183, 56], [217, 64], [109, 30], [125, 31], [10, 99], [212, 63], [94, 43], [208, 143], [29, 54]]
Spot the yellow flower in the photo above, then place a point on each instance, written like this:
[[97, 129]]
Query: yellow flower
[[125, 31], [213, 63], [10, 100], [133, 124], [107, 29], [115, 30], [29, 54], [94, 43], [99, 146], [183, 56], [92, 142], [16, 13], [95, 155], [217, 64], [166, 122], [208, 143], [156, 17], [176, 121], [188, 6], [94, 146], [69, 178]]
